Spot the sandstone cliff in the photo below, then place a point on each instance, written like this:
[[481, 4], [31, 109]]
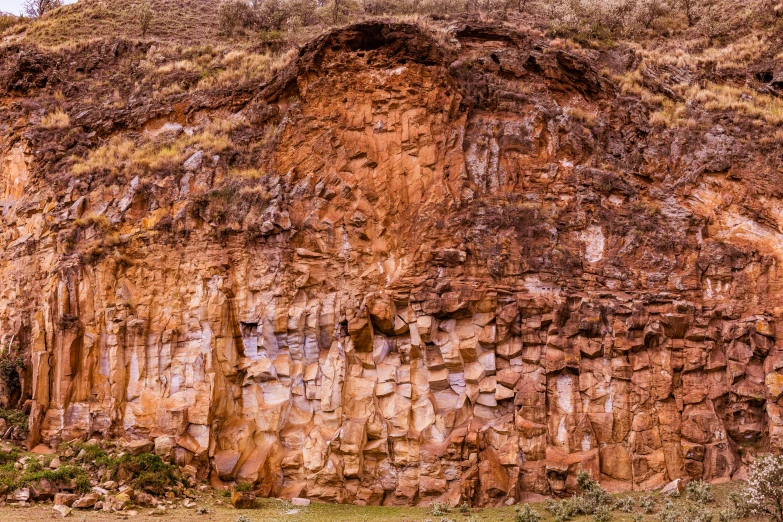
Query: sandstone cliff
[[411, 266]]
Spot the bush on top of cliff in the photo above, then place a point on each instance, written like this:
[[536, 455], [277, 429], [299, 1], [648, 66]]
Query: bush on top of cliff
[[276, 23], [7, 21]]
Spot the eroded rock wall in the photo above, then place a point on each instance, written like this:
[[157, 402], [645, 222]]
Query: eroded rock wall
[[476, 270]]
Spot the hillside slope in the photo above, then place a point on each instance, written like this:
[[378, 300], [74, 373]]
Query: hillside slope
[[405, 262]]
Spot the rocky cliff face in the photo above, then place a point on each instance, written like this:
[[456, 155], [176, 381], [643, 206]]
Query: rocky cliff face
[[470, 268]]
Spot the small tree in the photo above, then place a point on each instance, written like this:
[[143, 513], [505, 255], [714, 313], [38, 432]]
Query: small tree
[[648, 11], [37, 8], [764, 492], [236, 14], [336, 13], [7, 20], [144, 15], [691, 9]]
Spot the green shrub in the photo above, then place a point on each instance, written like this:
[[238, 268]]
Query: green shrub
[[562, 509], [699, 491], [625, 504], [243, 487], [92, 454], [83, 483], [9, 456], [738, 503], [439, 509], [59, 477], [151, 473], [593, 495], [647, 503], [697, 513], [10, 364], [765, 487], [602, 514], [526, 514], [728, 514], [670, 512]]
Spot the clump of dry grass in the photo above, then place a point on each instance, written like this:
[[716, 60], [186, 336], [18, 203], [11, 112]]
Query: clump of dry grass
[[582, 116], [633, 83], [122, 153], [100, 221], [7, 21], [715, 97], [56, 120], [240, 67], [698, 53], [249, 174], [670, 115]]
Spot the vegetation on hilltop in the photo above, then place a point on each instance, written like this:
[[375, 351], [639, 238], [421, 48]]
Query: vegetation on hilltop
[[291, 22]]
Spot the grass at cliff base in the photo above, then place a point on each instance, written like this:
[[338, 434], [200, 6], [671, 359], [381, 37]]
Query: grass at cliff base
[[273, 510]]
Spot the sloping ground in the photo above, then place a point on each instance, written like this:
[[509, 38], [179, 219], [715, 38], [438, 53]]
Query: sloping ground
[[186, 22], [400, 268], [274, 509]]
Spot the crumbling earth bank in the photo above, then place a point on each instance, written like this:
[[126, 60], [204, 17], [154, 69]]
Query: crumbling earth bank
[[478, 269]]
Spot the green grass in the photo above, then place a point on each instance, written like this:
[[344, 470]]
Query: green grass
[[273, 510], [35, 471]]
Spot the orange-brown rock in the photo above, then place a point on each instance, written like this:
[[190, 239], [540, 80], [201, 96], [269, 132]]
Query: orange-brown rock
[[444, 286]]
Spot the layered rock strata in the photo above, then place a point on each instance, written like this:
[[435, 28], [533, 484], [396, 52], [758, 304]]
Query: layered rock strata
[[476, 270]]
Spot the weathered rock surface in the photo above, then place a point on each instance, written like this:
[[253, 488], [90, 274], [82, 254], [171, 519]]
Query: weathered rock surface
[[454, 289]]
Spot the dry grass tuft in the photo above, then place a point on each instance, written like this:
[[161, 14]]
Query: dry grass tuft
[[149, 155], [717, 97], [56, 120], [577, 114]]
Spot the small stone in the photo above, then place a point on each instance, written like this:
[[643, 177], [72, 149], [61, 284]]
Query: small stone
[[121, 501], [300, 502], [65, 499], [61, 510], [243, 499], [194, 161], [136, 447], [21, 495], [110, 485], [673, 488], [87, 501], [145, 499], [55, 463], [201, 510]]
